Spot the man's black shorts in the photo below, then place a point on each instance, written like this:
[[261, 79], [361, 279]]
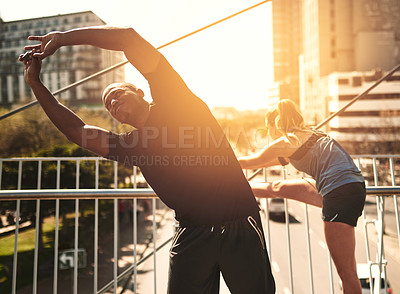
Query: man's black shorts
[[236, 250], [344, 204]]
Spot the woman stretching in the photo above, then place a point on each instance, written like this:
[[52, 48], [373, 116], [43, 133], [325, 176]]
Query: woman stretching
[[337, 179]]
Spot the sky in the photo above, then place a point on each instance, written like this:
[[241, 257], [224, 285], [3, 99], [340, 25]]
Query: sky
[[229, 64]]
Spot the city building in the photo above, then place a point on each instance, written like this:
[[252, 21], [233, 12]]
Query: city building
[[344, 36], [275, 93], [287, 46], [372, 124], [66, 66], [221, 112]]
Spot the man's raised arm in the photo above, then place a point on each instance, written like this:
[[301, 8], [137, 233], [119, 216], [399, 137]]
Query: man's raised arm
[[92, 138], [141, 54]]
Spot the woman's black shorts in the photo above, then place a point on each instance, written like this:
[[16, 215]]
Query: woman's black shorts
[[344, 204]]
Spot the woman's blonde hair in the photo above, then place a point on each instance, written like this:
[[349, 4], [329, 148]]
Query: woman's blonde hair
[[286, 117], [270, 117]]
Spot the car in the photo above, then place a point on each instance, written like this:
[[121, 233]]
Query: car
[[277, 209], [363, 276]]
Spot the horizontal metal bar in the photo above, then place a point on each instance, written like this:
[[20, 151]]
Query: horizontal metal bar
[[15, 159], [125, 193], [371, 156], [76, 194], [102, 158], [383, 190]]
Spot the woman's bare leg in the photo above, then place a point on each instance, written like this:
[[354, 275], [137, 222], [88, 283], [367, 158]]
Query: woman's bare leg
[[299, 189], [341, 242], [339, 237]]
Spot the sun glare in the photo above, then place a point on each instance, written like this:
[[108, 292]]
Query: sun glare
[[229, 64]]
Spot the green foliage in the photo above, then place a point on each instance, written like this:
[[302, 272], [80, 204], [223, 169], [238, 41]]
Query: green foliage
[[26, 240], [27, 132], [26, 244], [30, 131]]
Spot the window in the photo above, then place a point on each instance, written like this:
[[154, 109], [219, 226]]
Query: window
[[4, 89], [357, 81], [343, 81], [369, 78], [393, 78]]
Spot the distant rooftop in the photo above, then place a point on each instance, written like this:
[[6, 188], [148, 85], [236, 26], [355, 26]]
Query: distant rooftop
[[51, 16]]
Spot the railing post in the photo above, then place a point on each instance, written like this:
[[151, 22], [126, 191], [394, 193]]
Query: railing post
[[116, 234], [56, 233], [309, 248], [288, 236], [37, 235], [134, 230], [330, 273], [17, 210], [76, 231], [58, 180], [266, 202], [396, 205], [76, 239], [1, 171], [366, 239], [96, 233], [154, 246], [380, 227], [15, 261]]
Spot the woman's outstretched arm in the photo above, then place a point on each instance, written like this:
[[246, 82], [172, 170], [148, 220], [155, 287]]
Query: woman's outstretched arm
[[269, 155]]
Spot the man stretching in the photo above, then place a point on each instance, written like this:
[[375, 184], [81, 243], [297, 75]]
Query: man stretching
[[184, 156]]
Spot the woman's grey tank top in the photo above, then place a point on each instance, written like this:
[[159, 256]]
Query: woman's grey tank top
[[327, 162]]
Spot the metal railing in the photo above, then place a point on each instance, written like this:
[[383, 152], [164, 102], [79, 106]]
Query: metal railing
[[381, 172], [385, 175], [20, 193], [62, 194]]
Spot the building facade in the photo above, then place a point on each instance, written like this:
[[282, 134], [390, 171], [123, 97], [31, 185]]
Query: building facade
[[372, 124], [344, 36], [287, 40], [66, 66], [328, 51]]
